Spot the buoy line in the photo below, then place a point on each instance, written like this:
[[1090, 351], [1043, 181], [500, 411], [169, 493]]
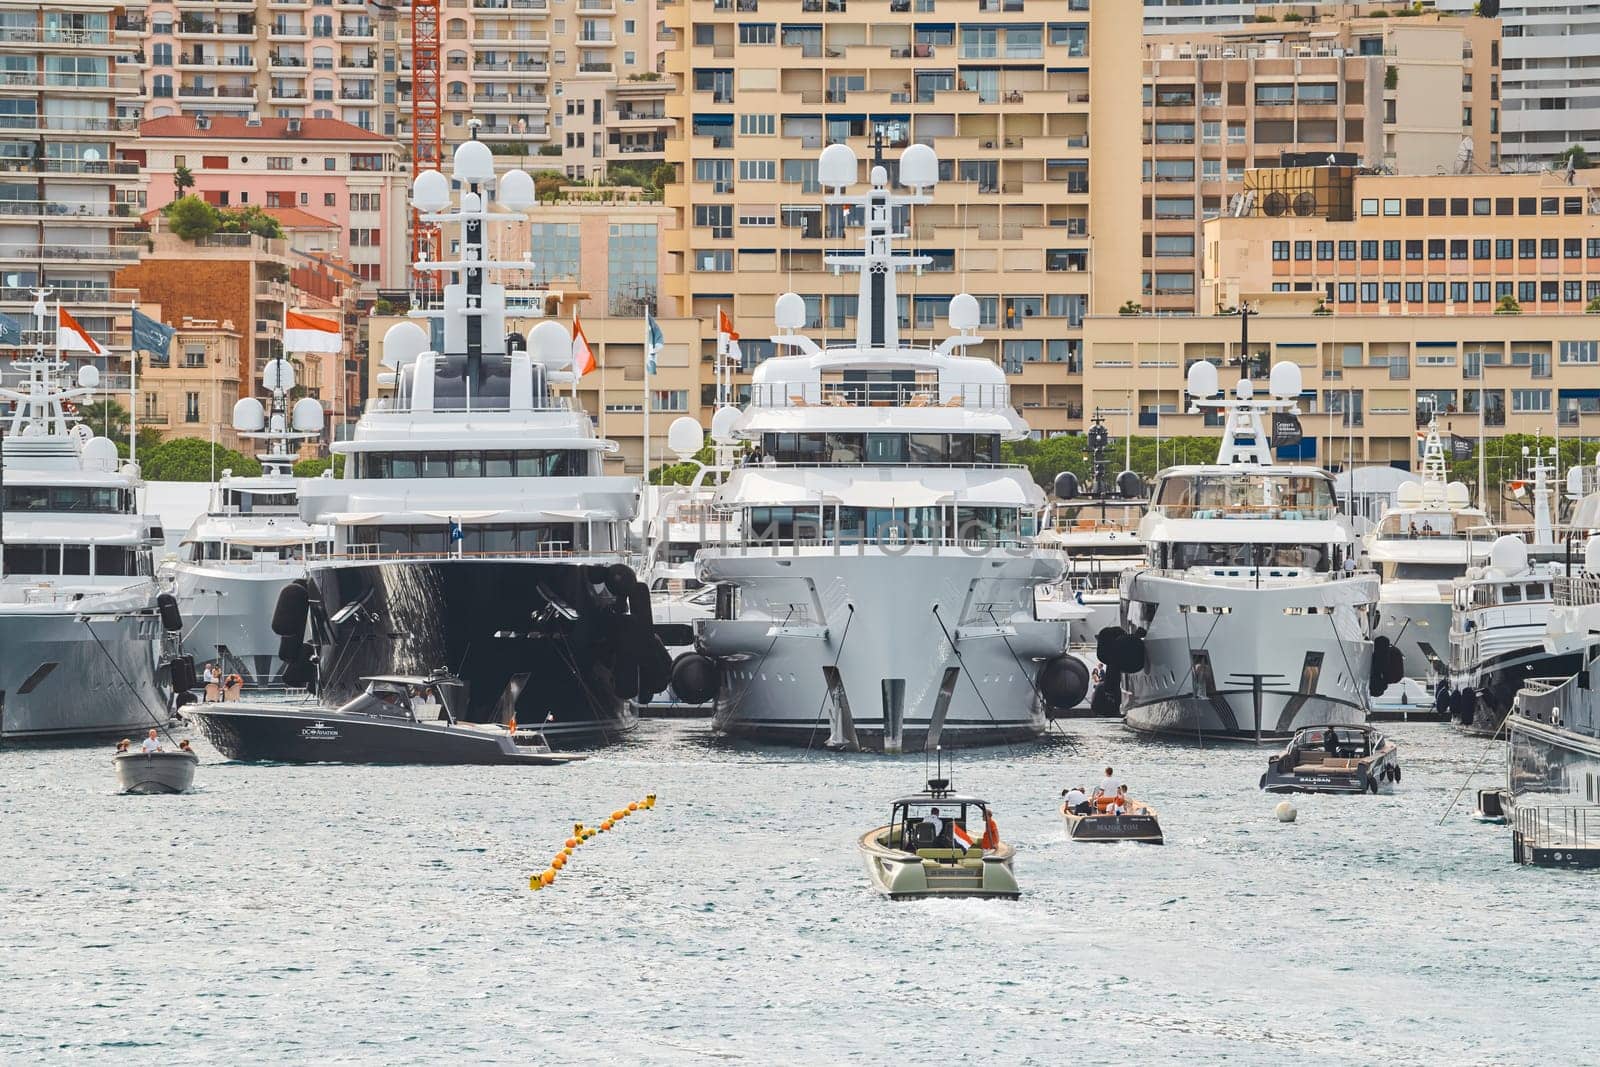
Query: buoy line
[[582, 833]]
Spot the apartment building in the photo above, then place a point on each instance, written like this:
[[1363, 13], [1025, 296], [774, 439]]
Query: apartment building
[[1028, 104], [1369, 380], [1370, 244], [66, 195], [1167, 16], [191, 392], [1411, 95], [354, 179]]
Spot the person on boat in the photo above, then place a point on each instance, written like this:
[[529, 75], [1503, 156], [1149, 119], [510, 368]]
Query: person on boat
[[991, 833], [124, 745], [935, 826], [183, 746], [1106, 791], [1077, 801], [1119, 802], [213, 680], [232, 685], [151, 743], [1441, 697]]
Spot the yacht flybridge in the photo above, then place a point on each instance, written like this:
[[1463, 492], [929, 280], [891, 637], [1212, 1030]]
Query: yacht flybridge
[[79, 628], [1246, 623], [1427, 540], [236, 558], [473, 527], [880, 594]]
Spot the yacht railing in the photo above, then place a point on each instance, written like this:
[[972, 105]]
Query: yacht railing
[[1559, 702], [1578, 591], [555, 550], [1243, 511], [984, 395], [389, 405], [1561, 828]]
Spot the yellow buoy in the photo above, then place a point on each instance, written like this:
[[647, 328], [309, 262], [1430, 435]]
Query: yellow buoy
[[577, 829], [650, 800], [534, 883], [566, 851]]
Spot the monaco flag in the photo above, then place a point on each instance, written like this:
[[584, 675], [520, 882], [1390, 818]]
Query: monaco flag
[[307, 333], [71, 337], [582, 354]]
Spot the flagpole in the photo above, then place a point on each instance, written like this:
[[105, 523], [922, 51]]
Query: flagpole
[[644, 445], [133, 387]]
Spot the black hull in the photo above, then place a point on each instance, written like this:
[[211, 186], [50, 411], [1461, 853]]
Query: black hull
[[1500, 679], [312, 736], [486, 621]]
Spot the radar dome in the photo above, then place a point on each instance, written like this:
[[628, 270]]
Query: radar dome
[[1591, 555], [550, 344], [404, 341], [306, 416], [473, 162], [836, 166], [789, 312], [1285, 381], [919, 167], [278, 374], [1408, 494], [685, 437], [1508, 555], [430, 192], [722, 423], [88, 376], [249, 416], [1432, 493], [1066, 486], [964, 312], [1457, 495], [100, 452], [1202, 379], [515, 190]]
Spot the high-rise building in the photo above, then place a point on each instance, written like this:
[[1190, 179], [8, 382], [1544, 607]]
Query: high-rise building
[[1410, 95], [1030, 105], [1167, 16], [66, 196]]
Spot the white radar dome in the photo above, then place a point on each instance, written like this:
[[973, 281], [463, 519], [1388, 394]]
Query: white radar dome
[[515, 190], [722, 423], [1202, 379], [789, 311], [964, 312], [249, 416], [836, 166], [1457, 495], [1285, 381], [402, 343], [551, 344], [919, 167], [473, 162], [1245, 389], [685, 437], [278, 374], [88, 376], [1408, 494], [430, 192], [100, 452], [306, 416], [1508, 555]]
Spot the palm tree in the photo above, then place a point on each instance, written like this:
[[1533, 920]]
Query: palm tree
[[182, 181]]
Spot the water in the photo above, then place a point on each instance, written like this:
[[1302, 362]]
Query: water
[[349, 914]]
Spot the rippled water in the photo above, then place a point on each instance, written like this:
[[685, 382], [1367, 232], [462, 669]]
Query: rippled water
[[349, 914]]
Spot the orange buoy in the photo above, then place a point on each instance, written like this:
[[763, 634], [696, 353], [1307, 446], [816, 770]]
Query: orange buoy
[[547, 877], [633, 805], [558, 862], [616, 816], [571, 842], [605, 826]]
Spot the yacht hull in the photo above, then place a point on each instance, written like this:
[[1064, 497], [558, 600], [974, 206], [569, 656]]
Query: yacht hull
[[1244, 663], [58, 681], [487, 621], [882, 651], [1420, 628], [1498, 678], [227, 618]]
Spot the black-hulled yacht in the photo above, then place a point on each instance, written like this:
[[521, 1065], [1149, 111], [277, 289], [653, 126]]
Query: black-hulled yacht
[[473, 527]]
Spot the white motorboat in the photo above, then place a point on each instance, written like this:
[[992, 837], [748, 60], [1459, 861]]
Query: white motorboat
[[921, 853], [147, 773], [80, 630], [882, 592], [1418, 547], [1251, 619], [236, 559]]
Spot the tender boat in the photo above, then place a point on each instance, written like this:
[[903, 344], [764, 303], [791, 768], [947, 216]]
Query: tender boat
[[397, 719], [1334, 759], [907, 859], [1139, 823], [144, 773]]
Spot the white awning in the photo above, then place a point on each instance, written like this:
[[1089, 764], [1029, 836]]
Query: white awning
[[881, 487]]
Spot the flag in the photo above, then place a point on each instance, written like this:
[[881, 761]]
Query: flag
[[1460, 447], [582, 354], [307, 333], [1285, 430], [961, 834], [653, 340], [456, 533], [728, 339], [10, 331], [151, 336], [71, 337]]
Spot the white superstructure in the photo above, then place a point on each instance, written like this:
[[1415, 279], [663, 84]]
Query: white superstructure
[[1249, 620], [251, 542], [1419, 547], [882, 594], [80, 638]]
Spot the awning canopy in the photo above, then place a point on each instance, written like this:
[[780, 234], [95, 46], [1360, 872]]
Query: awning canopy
[[886, 487]]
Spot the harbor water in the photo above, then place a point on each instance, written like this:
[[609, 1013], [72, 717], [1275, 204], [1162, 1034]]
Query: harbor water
[[381, 915]]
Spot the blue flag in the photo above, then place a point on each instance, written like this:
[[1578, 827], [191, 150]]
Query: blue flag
[[151, 336], [10, 331], [653, 340], [456, 533]]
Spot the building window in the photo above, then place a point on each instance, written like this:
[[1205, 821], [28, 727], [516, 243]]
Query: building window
[[1324, 250], [1391, 250], [1480, 292], [1549, 292], [669, 400], [1530, 400], [1302, 250], [1414, 250], [1527, 248], [1572, 353], [1527, 292], [554, 249], [758, 170], [1458, 292], [1572, 291], [1391, 292], [632, 267], [1369, 292], [1436, 248], [1280, 250], [1414, 292], [758, 125], [1503, 247], [1436, 292], [1347, 292], [1572, 247], [718, 218], [1482, 248], [1347, 250], [191, 407], [1369, 250]]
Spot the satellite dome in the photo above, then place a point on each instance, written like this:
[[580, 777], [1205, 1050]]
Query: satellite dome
[[249, 416]]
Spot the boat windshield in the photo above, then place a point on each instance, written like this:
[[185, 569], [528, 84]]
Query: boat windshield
[[388, 699], [1335, 740], [1185, 554], [931, 823], [1245, 495], [1423, 572], [1416, 525]]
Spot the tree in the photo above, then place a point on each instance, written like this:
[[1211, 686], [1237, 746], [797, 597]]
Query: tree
[[107, 418], [250, 219], [192, 219], [182, 181], [313, 468], [1508, 306], [189, 459], [683, 473], [1576, 156], [1130, 307], [1069, 452]]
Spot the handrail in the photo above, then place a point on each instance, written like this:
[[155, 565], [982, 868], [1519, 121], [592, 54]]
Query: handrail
[[984, 395]]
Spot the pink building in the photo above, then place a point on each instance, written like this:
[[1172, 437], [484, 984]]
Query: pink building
[[352, 178]]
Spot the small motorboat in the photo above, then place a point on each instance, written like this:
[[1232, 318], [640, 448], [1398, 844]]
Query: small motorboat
[[1334, 759], [1139, 823], [921, 852], [168, 771], [397, 719]]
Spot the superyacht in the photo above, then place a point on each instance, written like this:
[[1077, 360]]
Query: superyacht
[[236, 558], [1250, 620], [881, 595], [473, 527], [79, 620], [1427, 540]]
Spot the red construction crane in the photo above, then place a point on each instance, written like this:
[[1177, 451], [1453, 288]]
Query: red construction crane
[[427, 124]]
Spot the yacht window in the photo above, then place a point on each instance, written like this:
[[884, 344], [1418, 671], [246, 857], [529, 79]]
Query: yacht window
[[436, 464], [74, 559], [1511, 594], [104, 499], [1249, 554], [924, 449], [963, 448], [428, 539], [782, 524], [886, 448], [468, 465], [498, 465], [845, 447], [33, 559], [1425, 572], [1537, 591], [404, 465], [1237, 495]]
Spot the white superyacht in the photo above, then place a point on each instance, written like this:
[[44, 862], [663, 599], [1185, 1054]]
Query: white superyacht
[[236, 558], [1249, 621], [80, 632], [1422, 544], [882, 593]]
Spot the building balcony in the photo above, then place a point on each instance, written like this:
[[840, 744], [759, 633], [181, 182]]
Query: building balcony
[[355, 32], [289, 95], [289, 31], [357, 63], [59, 82], [597, 7], [212, 61], [597, 68], [351, 95], [522, 7], [590, 39], [518, 131], [114, 213], [73, 255], [68, 38], [66, 125], [232, 29], [628, 118], [505, 96], [71, 168], [281, 61], [523, 37]]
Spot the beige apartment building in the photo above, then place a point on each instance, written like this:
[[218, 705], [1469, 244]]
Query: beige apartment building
[[569, 84], [1368, 380], [192, 391], [1413, 95], [1027, 104]]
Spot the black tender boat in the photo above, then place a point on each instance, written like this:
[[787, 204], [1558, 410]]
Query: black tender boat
[[397, 719], [1334, 759]]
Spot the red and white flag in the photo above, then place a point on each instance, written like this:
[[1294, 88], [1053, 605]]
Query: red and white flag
[[307, 333], [728, 339], [582, 354], [72, 337]]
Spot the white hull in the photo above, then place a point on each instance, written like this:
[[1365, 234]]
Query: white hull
[[901, 669], [1253, 664], [58, 681], [227, 616], [1416, 619]]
